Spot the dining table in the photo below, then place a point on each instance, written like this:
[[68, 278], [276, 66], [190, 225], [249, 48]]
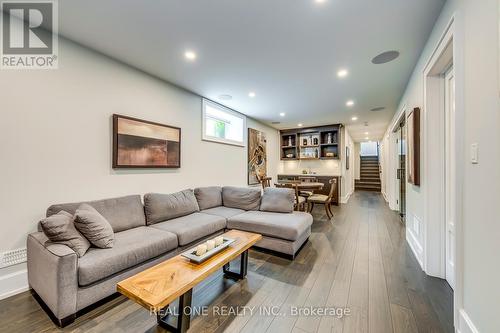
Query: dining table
[[301, 186]]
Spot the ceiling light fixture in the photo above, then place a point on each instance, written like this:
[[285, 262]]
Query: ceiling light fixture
[[190, 55], [319, 1], [342, 73], [354, 118], [300, 125], [251, 94], [282, 114], [367, 138], [349, 103], [366, 133]]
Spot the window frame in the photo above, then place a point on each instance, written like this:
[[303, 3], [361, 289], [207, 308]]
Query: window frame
[[223, 108]]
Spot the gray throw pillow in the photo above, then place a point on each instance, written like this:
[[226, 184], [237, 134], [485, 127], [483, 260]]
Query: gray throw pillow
[[245, 198], [208, 197], [164, 207], [59, 228], [278, 200], [94, 226]]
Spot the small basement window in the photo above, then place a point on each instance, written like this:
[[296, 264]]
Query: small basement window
[[223, 125]]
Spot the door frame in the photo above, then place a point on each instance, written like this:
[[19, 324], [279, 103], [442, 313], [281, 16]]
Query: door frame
[[433, 155]]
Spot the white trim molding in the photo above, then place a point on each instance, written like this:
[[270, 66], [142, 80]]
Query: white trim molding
[[465, 324], [13, 283]]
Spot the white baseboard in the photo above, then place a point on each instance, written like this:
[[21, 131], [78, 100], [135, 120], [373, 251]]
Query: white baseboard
[[415, 247], [465, 323], [14, 282], [345, 198]]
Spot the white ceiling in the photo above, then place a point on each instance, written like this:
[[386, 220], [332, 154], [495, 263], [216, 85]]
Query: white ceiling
[[287, 51]]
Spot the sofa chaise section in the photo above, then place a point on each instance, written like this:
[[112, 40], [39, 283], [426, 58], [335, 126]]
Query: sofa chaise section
[[281, 232]]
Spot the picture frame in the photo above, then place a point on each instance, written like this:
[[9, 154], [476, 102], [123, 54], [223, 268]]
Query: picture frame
[[347, 157], [140, 144], [413, 146], [257, 156]]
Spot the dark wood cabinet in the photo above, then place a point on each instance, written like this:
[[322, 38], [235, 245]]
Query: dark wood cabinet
[[311, 143], [320, 179]]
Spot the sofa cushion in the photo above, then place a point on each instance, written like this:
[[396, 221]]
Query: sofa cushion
[[279, 225], [225, 212], [132, 247], [122, 213], [241, 197], [163, 207], [59, 228], [192, 227], [278, 200], [94, 226], [208, 197]]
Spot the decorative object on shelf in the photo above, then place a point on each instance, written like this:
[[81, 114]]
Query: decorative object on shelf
[[194, 257], [304, 142], [347, 157], [316, 153], [218, 240], [315, 141], [413, 147], [290, 141], [329, 138], [329, 154], [257, 156], [144, 144], [304, 172], [289, 155]]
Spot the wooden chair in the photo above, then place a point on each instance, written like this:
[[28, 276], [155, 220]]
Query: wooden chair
[[300, 202], [308, 179], [265, 181], [322, 199]]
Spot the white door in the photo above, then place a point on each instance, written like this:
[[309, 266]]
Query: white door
[[450, 176]]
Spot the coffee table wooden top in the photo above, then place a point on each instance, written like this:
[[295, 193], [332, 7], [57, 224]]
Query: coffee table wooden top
[[158, 286]]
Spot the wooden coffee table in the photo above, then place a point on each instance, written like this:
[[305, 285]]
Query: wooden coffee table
[[158, 286]]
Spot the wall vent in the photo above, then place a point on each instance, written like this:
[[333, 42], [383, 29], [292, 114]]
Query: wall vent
[[12, 257]]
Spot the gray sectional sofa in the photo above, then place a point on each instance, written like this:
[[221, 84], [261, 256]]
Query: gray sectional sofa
[[147, 234]]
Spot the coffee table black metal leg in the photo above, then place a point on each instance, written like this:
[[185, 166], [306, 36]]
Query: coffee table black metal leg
[[243, 268], [183, 318]]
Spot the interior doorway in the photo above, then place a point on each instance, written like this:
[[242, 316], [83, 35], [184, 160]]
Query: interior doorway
[[450, 188], [401, 171]]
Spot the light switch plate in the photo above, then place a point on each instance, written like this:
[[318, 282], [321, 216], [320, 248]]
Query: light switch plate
[[474, 158]]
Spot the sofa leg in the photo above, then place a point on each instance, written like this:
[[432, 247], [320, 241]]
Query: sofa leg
[[67, 320]]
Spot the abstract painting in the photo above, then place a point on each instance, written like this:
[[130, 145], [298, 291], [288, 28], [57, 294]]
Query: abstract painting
[[143, 144], [257, 158], [413, 147]]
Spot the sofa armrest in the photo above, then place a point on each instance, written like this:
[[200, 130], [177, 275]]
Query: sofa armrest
[[52, 273]]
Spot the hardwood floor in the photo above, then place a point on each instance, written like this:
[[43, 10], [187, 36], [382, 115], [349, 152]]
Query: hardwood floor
[[358, 260]]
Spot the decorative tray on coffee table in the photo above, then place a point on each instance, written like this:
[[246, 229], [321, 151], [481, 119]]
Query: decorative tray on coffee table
[[191, 253]]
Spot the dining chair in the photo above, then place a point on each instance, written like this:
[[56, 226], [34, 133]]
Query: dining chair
[[305, 179], [322, 199], [299, 202], [265, 181]]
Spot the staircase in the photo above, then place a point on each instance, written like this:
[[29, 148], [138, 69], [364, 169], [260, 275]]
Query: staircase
[[370, 176]]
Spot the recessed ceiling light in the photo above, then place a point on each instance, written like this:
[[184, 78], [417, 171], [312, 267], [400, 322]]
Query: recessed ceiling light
[[319, 1], [300, 125], [282, 114], [385, 57], [367, 138], [366, 133], [190, 55], [349, 103], [251, 94], [225, 97], [354, 118], [342, 73]]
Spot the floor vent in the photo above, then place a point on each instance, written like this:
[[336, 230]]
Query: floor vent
[[12, 257]]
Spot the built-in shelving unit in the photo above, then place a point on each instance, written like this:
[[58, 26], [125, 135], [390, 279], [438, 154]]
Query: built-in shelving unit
[[312, 143]]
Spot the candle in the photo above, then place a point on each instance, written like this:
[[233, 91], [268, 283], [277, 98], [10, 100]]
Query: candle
[[218, 240], [210, 244], [201, 249]]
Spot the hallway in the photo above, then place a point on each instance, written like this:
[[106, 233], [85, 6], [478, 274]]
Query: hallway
[[359, 260]]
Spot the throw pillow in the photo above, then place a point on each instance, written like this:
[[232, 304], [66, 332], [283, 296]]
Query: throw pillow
[[59, 228], [278, 200], [94, 226]]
